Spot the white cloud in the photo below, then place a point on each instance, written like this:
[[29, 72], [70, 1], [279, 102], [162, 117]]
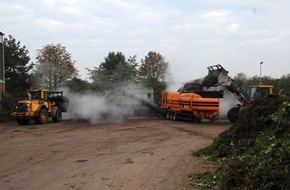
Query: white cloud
[[216, 16], [139, 42], [50, 25], [219, 22], [73, 11], [232, 28], [190, 34], [209, 42]]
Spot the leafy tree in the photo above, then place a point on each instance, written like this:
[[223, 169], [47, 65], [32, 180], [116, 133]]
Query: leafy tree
[[279, 84], [241, 79], [115, 71], [132, 71], [265, 80], [154, 66], [55, 66], [78, 85], [153, 73], [284, 84], [17, 69]]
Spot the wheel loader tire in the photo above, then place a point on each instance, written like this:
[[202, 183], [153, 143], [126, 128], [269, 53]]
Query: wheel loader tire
[[233, 114], [42, 117], [22, 121], [58, 116]]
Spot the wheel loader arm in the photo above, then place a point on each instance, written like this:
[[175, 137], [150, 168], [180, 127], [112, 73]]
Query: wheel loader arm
[[242, 96], [218, 76]]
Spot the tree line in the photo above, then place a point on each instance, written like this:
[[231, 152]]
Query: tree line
[[55, 68], [281, 85]]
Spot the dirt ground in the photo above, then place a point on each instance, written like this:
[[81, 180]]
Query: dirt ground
[[145, 154]]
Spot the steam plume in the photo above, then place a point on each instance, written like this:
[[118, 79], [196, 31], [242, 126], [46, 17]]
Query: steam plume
[[97, 108], [226, 103], [93, 108]]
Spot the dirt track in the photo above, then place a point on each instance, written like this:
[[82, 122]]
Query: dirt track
[[135, 154]]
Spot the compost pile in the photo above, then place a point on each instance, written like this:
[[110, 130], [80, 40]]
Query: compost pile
[[255, 152]]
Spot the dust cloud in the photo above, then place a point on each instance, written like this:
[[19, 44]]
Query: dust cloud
[[227, 102], [94, 108], [174, 86]]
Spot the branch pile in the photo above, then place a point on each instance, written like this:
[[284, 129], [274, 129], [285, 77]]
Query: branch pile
[[255, 152]]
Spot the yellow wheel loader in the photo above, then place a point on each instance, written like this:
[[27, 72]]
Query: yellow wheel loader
[[40, 105], [218, 76]]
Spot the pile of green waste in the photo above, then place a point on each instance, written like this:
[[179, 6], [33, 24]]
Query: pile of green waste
[[254, 153]]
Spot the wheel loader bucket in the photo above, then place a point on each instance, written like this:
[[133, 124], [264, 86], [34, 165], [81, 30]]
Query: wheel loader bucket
[[216, 76]]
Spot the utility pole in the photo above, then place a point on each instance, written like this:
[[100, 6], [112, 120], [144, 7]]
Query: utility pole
[[261, 72], [2, 70]]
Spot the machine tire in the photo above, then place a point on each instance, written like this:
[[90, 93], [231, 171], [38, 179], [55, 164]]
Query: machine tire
[[191, 118], [198, 120], [233, 114], [22, 121], [42, 117], [168, 115], [58, 116], [171, 116], [174, 118]]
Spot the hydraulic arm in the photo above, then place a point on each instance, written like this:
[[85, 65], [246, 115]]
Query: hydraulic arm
[[218, 76]]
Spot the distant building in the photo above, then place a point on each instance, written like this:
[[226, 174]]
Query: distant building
[[130, 105]]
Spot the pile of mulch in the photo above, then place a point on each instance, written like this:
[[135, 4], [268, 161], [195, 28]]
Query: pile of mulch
[[255, 152]]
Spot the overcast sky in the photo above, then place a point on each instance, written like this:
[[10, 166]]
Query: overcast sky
[[190, 34]]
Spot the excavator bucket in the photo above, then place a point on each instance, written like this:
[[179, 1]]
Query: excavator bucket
[[216, 76]]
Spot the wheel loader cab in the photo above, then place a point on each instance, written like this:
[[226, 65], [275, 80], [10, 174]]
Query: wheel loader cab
[[45, 95], [35, 94], [260, 91], [39, 94]]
